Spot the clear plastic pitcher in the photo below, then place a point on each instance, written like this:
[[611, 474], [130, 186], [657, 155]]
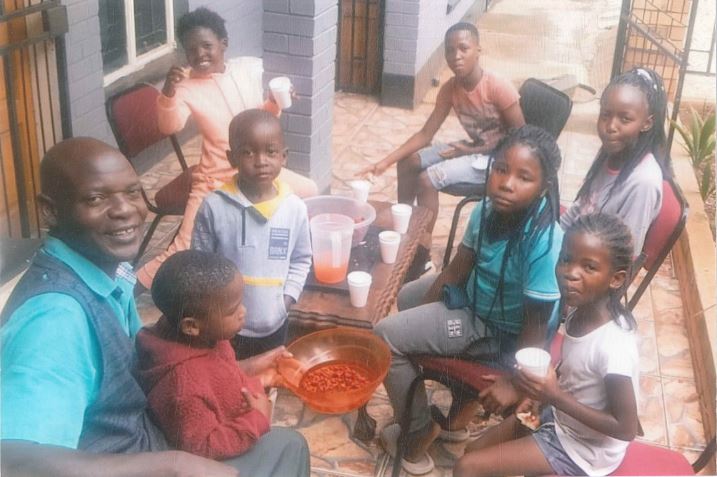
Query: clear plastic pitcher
[[331, 243]]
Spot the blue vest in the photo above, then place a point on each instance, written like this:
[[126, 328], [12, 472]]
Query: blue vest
[[117, 421]]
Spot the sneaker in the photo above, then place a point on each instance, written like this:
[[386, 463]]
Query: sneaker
[[389, 439]]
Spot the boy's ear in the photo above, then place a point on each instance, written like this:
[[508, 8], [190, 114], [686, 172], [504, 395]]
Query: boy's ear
[[618, 279], [48, 210], [284, 156], [225, 43], [189, 326], [649, 122]]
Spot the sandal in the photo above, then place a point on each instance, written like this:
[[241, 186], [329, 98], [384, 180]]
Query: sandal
[[389, 438], [457, 435]]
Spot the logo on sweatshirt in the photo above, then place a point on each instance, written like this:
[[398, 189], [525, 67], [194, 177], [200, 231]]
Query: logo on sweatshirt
[[278, 243]]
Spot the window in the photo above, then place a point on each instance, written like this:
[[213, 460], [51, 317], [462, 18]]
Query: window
[[133, 33]]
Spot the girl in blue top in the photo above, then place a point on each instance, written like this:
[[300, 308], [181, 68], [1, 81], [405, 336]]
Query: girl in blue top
[[499, 291]]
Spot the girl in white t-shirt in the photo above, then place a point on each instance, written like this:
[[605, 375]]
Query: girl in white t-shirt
[[589, 412]]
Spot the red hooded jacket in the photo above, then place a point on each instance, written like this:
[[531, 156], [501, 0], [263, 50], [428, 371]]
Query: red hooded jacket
[[194, 394]]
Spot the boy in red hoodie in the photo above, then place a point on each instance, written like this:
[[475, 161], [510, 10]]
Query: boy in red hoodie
[[198, 395]]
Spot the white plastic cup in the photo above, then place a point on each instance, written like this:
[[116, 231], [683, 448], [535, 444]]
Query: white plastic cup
[[359, 285], [281, 90], [535, 361], [401, 217], [360, 190], [389, 241]]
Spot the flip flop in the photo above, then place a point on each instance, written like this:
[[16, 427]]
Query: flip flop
[[389, 438], [457, 435]]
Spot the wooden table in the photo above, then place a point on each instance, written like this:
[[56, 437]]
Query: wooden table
[[317, 310]]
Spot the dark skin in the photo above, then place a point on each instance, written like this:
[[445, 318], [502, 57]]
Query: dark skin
[[90, 201], [462, 52], [624, 115], [586, 278], [258, 151], [515, 183]]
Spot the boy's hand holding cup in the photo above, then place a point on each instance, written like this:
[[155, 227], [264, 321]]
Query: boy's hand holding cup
[[360, 190], [281, 91]]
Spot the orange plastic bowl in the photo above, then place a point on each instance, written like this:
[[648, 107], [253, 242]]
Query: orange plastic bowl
[[342, 345]]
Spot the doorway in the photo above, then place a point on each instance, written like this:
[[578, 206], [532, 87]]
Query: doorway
[[359, 56]]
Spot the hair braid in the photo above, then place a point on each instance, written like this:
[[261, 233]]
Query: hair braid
[[652, 141], [616, 237]]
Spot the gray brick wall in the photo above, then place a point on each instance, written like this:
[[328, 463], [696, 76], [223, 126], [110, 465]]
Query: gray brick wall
[[300, 42], [413, 31], [84, 71]]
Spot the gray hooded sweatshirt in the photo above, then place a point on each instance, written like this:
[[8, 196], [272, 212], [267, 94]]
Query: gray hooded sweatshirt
[[269, 242]]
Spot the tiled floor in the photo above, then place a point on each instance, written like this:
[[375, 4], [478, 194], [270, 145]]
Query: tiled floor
[[517, 42]]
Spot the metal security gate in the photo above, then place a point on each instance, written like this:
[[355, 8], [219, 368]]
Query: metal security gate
[[31, 106], [657, 34]]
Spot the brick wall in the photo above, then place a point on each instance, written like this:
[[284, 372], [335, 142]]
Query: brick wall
[[413, 45], [300, 42], [84, 71]]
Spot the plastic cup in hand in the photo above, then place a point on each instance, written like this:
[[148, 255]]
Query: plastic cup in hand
[[389, 242], [359, 285], [535, 361], [401, 217], [281, 90], [360, 190]]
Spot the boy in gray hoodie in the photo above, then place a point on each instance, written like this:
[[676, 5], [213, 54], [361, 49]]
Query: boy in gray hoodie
[[258, 223]]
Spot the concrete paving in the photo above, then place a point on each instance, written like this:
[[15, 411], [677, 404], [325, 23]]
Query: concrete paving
[[520, 40]]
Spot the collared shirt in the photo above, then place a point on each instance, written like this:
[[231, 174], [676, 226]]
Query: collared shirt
[[51, 360]]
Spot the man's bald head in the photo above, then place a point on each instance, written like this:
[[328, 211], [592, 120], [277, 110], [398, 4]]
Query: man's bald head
[[91, 200], [59, 168]]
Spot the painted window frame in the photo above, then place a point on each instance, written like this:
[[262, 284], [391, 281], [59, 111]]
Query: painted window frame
[[137, 62]]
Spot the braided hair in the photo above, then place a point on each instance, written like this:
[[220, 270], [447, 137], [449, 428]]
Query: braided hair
[[187, 281], [617, 239], [651, 141], [542, 213]]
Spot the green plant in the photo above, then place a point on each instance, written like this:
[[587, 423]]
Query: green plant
[[699, 139]]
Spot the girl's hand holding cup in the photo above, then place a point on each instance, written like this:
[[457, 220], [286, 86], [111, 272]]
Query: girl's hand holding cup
[[540, 388]]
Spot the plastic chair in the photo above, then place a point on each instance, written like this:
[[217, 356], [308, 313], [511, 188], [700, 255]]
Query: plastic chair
[[464, 377], [542, 106], [661, 236], [132, 115], [645, 459], [545, 106]]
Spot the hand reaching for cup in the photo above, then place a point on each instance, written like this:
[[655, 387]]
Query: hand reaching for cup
[[372, 170]]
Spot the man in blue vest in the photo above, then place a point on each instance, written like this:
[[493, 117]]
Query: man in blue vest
[[70, 404]]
